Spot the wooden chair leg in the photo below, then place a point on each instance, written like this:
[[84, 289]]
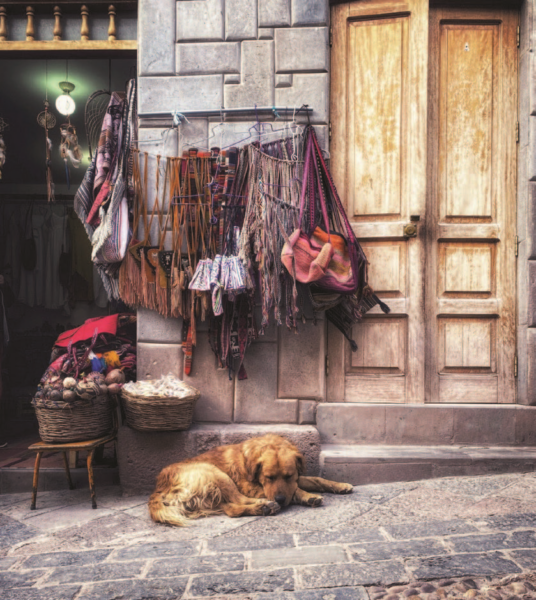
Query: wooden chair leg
[[35, 480], [91, 480], [73, 458], [67, 471]]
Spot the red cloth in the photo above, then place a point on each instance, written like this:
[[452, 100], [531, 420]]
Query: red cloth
[[87, 330]]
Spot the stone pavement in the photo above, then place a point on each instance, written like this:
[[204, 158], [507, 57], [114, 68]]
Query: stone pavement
[[462, 537]]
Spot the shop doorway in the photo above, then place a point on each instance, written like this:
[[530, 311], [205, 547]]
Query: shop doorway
[[62, 289], [424, 114]]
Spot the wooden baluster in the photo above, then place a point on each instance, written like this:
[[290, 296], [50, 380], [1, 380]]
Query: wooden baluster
[[30, 28], [3, 24], [57, 23], [112, 32], [84, 29]]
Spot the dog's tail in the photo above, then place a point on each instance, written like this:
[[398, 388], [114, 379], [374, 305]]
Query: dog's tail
[[163, 512]]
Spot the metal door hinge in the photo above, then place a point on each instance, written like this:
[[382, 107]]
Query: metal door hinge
[[515, 365], [516, 249], [326, 365], [518, 36], [517, 132], [330, 37], [329, 130]]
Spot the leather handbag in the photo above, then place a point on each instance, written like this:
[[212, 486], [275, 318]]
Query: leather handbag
[[331, 261]]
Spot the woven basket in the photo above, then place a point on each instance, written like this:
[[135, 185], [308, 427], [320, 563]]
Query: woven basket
[[155, 413], [61, 422]]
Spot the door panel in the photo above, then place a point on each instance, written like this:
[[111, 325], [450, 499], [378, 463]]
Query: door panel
[[378, 159], [470, 278]]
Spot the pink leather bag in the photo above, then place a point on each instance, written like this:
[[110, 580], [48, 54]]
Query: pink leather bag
[[333, 262]]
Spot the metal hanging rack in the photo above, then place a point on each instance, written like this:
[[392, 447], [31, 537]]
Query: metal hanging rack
[[181, 115]]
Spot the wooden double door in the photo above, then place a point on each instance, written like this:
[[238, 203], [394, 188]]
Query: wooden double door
[[423, 150]]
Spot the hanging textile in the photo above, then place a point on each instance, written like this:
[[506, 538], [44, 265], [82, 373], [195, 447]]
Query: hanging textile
[[105, 195], [213, 237]]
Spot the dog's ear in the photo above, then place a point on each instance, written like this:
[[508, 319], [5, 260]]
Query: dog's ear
[[253, 464], [300, 464], [256, 472]]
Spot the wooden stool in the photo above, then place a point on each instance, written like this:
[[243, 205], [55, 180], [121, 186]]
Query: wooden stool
[[90, 446]]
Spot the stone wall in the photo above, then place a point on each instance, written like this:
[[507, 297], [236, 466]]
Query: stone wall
[[526, 209], [208, 54]]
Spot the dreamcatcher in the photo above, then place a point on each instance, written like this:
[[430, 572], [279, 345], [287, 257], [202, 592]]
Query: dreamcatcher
[[94, 112], [3, 126], [69, 149], [47, 120]]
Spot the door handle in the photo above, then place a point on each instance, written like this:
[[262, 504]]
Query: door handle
[[410, 230]]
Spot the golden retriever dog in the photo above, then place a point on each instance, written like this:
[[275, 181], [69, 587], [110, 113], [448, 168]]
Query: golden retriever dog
[[257, 477]]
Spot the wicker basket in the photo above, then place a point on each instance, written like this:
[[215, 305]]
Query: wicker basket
[[156, 413], [61, 422]]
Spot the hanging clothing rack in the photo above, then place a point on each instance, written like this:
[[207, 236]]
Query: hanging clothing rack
[[172, 116]]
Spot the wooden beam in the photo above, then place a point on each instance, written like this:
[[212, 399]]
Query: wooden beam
[[94, 45]]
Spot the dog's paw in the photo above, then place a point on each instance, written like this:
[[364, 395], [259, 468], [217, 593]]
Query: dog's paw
[[270, 508], [346, 488], [315, 500]]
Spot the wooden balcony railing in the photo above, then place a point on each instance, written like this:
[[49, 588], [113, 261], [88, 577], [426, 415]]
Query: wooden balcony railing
[[82, 12]]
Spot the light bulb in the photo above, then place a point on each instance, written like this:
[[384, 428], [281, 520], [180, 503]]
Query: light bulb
[[65, 104]]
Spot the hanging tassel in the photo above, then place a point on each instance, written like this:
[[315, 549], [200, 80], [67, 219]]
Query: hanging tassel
[[147, 282], [187, 348], [130, 281]]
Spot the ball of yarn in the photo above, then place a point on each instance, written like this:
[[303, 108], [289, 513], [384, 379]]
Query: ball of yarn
[[115, 376], [87, 390], [96, 377], [56, 396], [69, 395], [114, 388], [69, 382]]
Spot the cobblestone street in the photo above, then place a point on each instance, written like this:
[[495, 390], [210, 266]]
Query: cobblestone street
[[463, 537]]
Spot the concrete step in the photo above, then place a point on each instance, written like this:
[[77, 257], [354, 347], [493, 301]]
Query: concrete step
[[427, 424], [364, 464]]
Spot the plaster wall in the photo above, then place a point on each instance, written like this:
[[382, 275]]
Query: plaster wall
[[208, 54]]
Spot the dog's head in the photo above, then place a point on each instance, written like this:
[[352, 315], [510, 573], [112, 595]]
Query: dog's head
[[275, 464]]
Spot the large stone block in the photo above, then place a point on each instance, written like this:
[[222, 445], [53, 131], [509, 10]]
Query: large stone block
[[256, 398], [158, 141], [274, 13], [257, 77], [200, 20], [153, 327], [302, 362], [526, 426], [207, 59], [217, 391], [481, 425], [530, 220], [303, 49], [524, 97], [166, 94], [156, 21], [340, 423], [311, 89], [310, 12], [141, 455], [155, 360], [418, 424], [241, 20], [531, 366], [193, 133], [531, 316]]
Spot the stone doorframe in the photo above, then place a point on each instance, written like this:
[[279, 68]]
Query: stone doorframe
[[526, 209]]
